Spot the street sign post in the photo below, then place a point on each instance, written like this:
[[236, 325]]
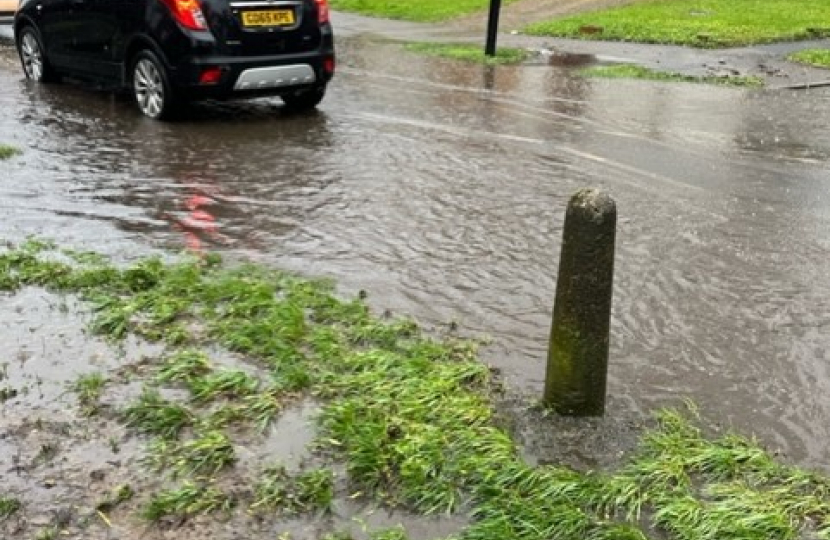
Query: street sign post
[[492, 28]]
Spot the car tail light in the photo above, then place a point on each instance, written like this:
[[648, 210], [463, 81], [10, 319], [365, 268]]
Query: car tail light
[[328, 65], [322, 11], [188, 13]]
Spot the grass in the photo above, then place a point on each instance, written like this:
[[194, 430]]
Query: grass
[[184, 366], [188, 500], [7, 151], [410, 419], [7, 393], [396, 533], [630, 71], [263, 407], [202, 457], [115, 498], [154, 415], [312, 491], [8, 507], [48, 533], [698, 23], [89, 388], [813, 57], [469, 53], [222, 384], [413, 10]]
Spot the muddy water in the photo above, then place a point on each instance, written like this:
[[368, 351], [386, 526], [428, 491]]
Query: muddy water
[[440, 190]]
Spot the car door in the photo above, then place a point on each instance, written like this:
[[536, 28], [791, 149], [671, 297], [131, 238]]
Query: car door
[[93, 33], [130, 18], [56, 29]]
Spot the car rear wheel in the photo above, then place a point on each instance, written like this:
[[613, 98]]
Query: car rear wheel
[[32, 56], [151, 87], [304, 100]]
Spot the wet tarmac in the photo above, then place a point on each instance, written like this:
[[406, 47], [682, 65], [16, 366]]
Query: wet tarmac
[[440, 190]]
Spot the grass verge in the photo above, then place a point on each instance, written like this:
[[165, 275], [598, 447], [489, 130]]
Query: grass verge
[[409, 418], [469, 53], [413, 10], [630, 71], [812, 57], [698, 23]]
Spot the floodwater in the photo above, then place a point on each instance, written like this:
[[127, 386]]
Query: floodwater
[[440, 190]]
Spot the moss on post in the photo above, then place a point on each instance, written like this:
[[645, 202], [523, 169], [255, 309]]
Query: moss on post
[[578, 353]]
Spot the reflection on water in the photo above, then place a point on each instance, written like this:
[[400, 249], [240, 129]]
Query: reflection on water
[[440, 189], [197, 224]]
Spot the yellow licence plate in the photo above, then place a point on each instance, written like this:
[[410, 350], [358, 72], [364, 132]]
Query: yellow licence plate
[[271, 17]]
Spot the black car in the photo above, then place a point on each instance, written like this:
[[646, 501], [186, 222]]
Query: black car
[[169, 51]]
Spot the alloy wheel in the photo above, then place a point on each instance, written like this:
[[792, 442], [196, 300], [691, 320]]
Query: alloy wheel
[[148, 85], [32, 56]]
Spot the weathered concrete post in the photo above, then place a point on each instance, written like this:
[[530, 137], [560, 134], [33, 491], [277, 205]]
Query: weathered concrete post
[[578, 354]]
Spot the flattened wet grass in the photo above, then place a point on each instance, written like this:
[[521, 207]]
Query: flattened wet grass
[[411, 419], [469, 53], [630, 71], [278, 491], [7, 151], [154, 415], [89, 388], [9, 506], [203, 456], [188, 500], [812, 57]]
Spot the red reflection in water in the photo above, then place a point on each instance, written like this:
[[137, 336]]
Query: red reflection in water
[[195, 216], [197, 222]]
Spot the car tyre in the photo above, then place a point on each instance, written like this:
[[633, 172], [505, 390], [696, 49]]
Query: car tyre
[[33, 57], [152, 91], [304, 100]]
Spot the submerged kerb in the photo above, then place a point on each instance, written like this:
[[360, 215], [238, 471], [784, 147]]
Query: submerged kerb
[[409, 418]]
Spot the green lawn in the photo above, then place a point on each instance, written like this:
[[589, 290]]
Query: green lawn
[[812, 57], [414, 10], [698, 23]]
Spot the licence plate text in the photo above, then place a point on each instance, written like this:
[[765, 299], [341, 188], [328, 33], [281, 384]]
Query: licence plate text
[[274, 17]]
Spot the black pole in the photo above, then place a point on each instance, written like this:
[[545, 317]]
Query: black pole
[[492, 28]]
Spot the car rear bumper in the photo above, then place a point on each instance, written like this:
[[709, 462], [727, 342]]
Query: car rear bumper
[[259, 75]]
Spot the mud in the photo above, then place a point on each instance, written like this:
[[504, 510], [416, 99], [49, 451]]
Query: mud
[[64, 466]]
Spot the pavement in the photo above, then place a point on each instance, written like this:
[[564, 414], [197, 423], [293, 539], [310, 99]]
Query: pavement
[[768, 62], [765, 61]]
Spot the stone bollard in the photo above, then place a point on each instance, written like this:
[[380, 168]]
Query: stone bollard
[[578, 352]]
